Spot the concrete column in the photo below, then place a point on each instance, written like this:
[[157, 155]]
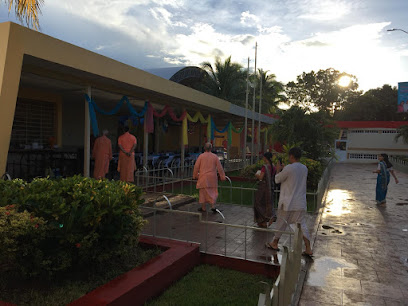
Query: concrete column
[[87, 136], [145, 142], [182, 149], [11, 61], [156, 136]]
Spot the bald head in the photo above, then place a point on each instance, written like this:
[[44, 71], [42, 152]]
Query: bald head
[[105, 132], [207, 147]]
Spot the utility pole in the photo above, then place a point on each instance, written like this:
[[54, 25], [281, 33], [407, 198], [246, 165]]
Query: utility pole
[[253, 111]]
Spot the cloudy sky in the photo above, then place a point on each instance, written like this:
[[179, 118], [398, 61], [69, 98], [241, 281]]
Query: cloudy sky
[[293, 35]]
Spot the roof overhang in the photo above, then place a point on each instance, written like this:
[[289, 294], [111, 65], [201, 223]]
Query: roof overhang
[[50, 62]]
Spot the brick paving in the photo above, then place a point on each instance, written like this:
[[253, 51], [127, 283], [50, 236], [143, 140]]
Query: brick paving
[[360, 249]]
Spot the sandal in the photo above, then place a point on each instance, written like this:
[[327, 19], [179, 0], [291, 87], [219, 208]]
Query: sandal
[[307, 255], [269, 246]]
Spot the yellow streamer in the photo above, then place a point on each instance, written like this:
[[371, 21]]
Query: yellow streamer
[[197, 116]]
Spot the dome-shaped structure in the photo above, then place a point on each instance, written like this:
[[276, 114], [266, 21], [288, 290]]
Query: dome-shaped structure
[[189, 76]]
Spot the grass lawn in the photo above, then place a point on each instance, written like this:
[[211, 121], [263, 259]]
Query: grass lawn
[[211, 285], [69, 286], [243, 193]]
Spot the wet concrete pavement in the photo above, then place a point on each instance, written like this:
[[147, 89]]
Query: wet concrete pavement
[[360, 249]]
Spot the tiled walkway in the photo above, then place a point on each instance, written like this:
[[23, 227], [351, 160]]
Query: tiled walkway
[[239, 243], [361, 249]]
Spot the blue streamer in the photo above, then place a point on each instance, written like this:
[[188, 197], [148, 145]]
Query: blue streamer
[[93, 107], [215, 128], [92, 117], [133, 111]]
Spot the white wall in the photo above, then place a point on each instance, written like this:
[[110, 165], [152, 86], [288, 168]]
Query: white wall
[[370, 144]]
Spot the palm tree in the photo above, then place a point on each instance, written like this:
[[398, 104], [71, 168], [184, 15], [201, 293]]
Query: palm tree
[[272, 91], [26, 10], [225, 80], [402, 132]]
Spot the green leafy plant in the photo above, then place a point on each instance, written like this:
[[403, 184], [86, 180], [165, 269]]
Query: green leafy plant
[[20, 237], [315, 168], [86, 221]]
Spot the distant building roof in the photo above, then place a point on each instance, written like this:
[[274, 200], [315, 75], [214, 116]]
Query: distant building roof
[[188, 75], [371, 124], [165, 73]]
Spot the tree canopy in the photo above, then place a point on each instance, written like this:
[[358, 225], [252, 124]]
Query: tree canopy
[[402, 132], [379, 104], [225, 80], [26, 11], [322, 90], [314, 131], [272, 91]]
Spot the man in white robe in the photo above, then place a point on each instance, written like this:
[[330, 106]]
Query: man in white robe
[[292, 205]]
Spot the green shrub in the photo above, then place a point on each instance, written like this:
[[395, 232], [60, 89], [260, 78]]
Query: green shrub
[[86, 221], [315, 169], [20, 238]]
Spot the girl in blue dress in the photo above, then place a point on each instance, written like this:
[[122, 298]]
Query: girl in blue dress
[[383, 178]]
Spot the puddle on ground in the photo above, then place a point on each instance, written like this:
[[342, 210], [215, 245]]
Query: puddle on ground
[[324, 267], [218, 237], [331, 230]]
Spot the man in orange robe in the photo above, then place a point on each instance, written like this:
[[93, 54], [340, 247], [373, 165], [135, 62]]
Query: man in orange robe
[[127, 166], [102, 153], [205, 170]]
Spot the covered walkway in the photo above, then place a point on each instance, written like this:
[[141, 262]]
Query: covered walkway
[[44, 115]]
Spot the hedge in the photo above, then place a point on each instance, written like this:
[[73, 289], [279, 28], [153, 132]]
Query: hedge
[[315, 169], [48, 226]]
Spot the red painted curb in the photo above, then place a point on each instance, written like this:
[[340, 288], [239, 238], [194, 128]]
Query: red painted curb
[[238, 264], [155, 276], [148, 280]]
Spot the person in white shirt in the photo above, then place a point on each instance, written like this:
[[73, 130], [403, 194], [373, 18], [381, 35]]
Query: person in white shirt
[[292, 200]]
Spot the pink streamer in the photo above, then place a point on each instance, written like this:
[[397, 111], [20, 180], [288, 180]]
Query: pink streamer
[[167, 109]]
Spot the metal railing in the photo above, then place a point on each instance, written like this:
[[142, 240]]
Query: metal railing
[[284, 287], [399, 163], [324, 181], [194, 227], [178, 180]]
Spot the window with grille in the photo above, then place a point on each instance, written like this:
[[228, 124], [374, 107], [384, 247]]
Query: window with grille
[[34, 122], [362, 156]]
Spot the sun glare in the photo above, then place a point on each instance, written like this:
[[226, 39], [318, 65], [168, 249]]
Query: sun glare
[[344, 81]]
